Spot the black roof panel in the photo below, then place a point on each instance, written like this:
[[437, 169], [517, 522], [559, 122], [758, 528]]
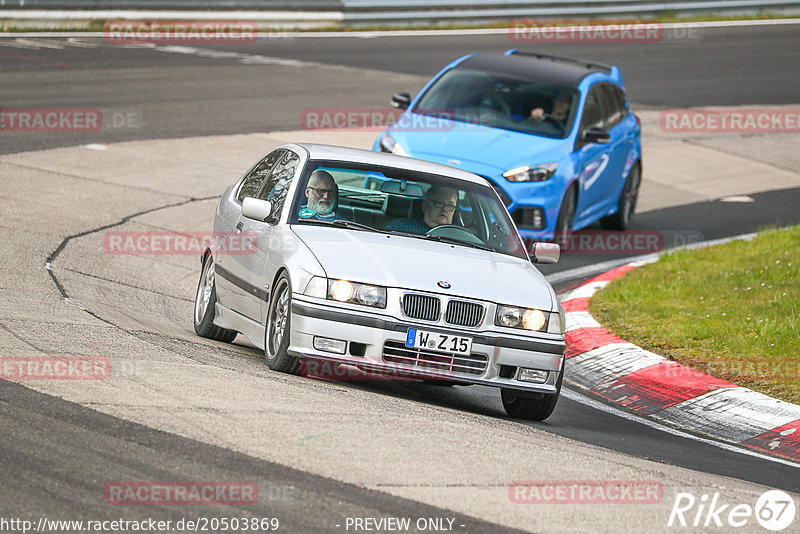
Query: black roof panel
[[566, 72]]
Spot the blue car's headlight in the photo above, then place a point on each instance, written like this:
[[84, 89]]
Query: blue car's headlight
[[388, 144], [531, 173]]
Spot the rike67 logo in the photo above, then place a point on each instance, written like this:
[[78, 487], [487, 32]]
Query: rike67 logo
[[774, 510]]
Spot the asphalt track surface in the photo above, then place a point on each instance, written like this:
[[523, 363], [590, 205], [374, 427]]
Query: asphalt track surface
[[55, 446]]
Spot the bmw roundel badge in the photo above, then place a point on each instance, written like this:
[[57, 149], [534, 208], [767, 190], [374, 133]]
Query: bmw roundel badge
[[443, 284]]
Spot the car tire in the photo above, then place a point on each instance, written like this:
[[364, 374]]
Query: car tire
[[520, 407], [566, 217], [278, 329], [627, 202], [205, 305]]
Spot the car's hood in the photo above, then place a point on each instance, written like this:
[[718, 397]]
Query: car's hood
[[479, 149], [412, 263]]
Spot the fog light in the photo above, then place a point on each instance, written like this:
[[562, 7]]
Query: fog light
[[533, 375], [327, 344]]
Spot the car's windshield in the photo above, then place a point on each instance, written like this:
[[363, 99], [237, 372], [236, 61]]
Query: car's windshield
[[499, 101], [400, 201]]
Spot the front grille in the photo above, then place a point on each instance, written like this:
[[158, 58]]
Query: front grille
[[471, 364], [529, 218], [463, 313], [422, 307]]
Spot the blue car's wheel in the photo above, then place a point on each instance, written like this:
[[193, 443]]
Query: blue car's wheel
[[566, 217], [627, 202]]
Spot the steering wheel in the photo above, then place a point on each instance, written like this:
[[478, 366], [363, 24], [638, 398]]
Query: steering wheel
[[559, 122], [455, 231]]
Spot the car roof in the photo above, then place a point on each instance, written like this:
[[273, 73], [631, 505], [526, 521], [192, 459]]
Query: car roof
[[338, 153], [535, 67]]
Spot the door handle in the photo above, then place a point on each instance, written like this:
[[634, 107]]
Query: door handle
[[239, 227]]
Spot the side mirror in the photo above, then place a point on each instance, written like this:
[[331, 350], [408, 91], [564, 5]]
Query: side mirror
[[596, 135], [256, 209], [401, 100], [545, 253]]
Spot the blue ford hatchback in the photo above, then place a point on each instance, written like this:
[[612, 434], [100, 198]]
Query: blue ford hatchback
[[555, 136]]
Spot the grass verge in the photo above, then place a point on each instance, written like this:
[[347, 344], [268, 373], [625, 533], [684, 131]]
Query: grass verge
[[732, 311]]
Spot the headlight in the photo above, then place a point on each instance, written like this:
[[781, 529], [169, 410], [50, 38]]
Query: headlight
[[532, 173], [340, 290], [527, 319], [388, 144], [355, 293]]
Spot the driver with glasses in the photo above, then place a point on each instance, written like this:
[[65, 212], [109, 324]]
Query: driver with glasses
[[438, 206], [323, 195]]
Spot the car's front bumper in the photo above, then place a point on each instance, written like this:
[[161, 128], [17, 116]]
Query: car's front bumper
[[498, 354]]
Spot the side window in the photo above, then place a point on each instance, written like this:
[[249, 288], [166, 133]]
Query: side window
[[253, 181], [612, 105], [592, 111], [623, 102], [276, 187]]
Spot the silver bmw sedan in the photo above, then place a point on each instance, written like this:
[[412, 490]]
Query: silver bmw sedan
[[333, 258]]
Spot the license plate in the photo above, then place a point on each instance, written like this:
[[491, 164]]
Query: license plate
[[436, 341]]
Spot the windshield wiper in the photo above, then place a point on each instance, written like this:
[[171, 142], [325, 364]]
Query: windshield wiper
[[344, 223], [443, 239]]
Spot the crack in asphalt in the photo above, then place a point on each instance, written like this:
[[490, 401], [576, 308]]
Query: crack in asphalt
[[54, 255]]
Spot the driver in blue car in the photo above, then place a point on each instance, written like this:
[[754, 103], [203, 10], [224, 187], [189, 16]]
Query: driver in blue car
[[558, 115], [322, 194], [438, 206]]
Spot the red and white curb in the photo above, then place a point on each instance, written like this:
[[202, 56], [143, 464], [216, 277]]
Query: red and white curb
[[651, 385]]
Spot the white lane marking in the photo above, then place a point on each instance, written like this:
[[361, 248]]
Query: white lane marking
[[96, 146], [32, 44], [581, 319], [80, 43], [597, 405], [584, 291], [587, 270], [600, 368], [245, 59], [737, 198]]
